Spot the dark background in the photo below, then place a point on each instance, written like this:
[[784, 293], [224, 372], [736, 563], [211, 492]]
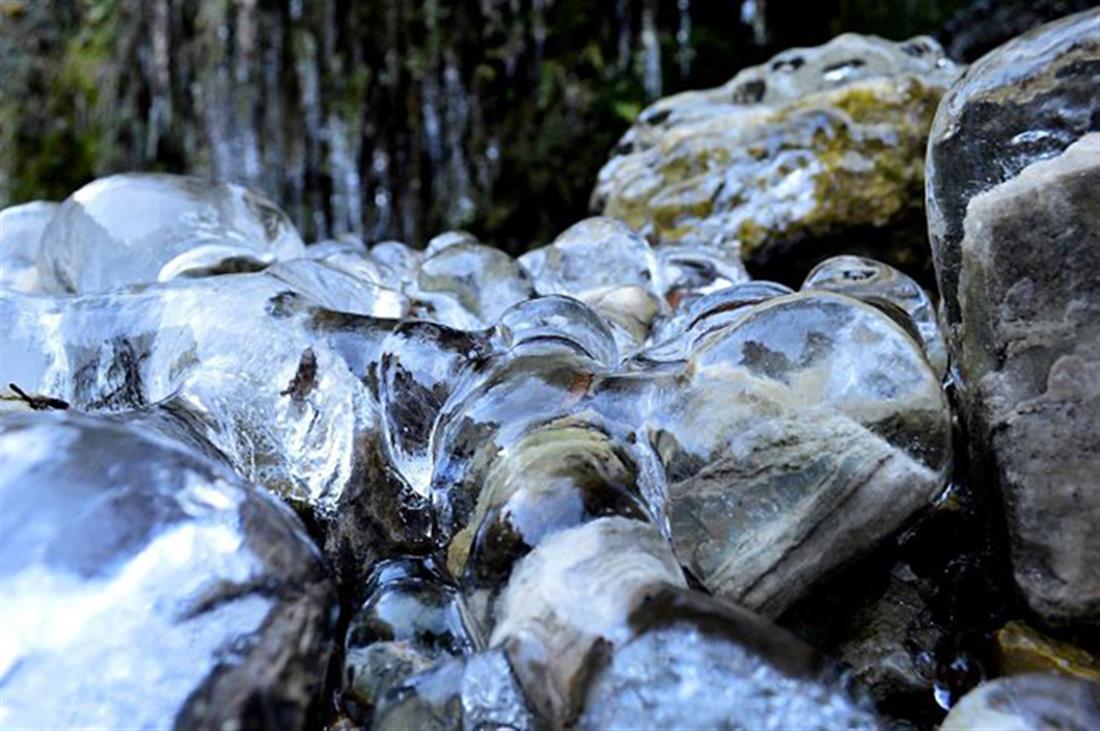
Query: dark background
[[398, 118]]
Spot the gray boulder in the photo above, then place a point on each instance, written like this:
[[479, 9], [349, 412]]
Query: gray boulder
[[1029, 353], [145, 584], [1014, 219]]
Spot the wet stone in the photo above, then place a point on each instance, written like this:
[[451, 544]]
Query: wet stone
[[804, 403], [412, 618], [1028, 702], [818, 144], [1022, 649], [692, 661], [116, 538]]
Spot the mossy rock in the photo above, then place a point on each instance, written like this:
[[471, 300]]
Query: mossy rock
[[813, 145]]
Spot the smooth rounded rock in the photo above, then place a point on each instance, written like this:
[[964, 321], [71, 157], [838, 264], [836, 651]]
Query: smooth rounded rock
[[145, 585]]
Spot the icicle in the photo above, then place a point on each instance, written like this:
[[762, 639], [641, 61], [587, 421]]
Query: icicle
[[461, 208], [754, 14], [622, 22], [651, 51], [684, 52]]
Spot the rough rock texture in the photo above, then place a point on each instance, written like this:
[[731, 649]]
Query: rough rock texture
[[1025, 101], [145, 583], [1022, 649], [1028, 351], [1027, 702], [815, 143], [1015, 229]]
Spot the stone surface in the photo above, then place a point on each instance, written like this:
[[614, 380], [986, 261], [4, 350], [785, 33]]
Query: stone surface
[[1022, 649], [892, 291], [816, 143], [690, 661], [811, 426], [1028, 703], [889, 642], [145, 585], [1025, 101], [145, 227], [570, 597], [21, 230], [1027, 347]]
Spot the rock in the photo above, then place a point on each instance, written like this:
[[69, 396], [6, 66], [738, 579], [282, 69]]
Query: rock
[[572, 596], [478, 691], [1021, 649], [412, 618], [274, 382], [468, 286], [690, 661], [818, 143], [810, 426], [889, 643], [892, 291], [1027, 703], [979, 26], [590, 257], [21, 230], [1027, 345], [145, 585], [1026, 101], [145, 227]]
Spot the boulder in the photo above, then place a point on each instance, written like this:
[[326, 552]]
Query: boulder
[[817, 143], [145, 584], [1028, 353]]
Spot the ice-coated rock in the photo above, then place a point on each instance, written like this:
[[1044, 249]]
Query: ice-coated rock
[[146, 586], [340, 288], [1025, 101], [273, 381], [411, 619], [21, 230], [556, 321], [468, 286], [514, 394], [690, 661], [816, 143], [420, 365], [885, 287], [396, 261], [1028, 703], [478, 691], [677, 337], [555, 477], [572, 596], [148, 227], [1028, 354], [592, 256], [688, 272], [808, 428]]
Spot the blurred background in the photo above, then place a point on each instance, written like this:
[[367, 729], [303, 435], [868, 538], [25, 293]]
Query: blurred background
[[399, 118]]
